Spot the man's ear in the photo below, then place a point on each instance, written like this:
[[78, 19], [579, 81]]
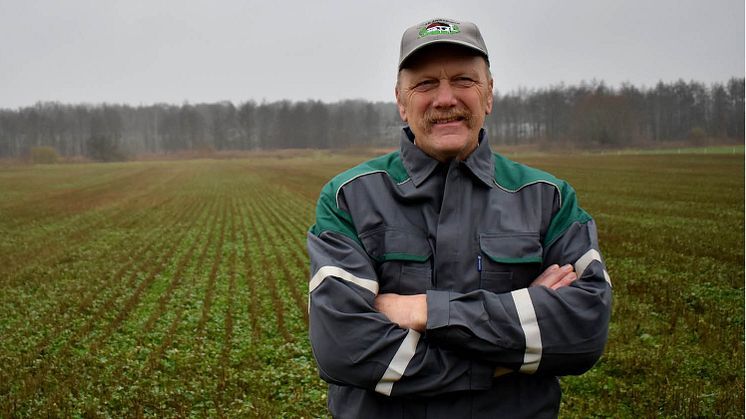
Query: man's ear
[[490, 98], [400, 105]]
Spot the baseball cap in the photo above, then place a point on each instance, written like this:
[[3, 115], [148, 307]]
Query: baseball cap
[[440, 31]]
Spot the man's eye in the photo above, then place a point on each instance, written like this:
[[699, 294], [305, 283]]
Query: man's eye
[[425, 85], [464, 82]]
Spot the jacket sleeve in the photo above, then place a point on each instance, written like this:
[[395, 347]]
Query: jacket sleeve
[[535, 329], [353, 343]]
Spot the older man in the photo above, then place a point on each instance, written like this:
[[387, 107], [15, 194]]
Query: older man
[[448, 281]]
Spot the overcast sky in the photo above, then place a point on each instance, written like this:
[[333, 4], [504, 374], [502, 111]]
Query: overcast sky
[[144, 52]]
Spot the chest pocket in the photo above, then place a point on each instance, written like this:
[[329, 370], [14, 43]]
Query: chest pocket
[[402, 258], [509, 260]]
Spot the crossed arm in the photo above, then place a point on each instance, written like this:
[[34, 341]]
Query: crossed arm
[[410, 311], [369, 340]]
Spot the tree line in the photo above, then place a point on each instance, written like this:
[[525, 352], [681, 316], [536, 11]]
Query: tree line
[[595, 115], [586, 115]]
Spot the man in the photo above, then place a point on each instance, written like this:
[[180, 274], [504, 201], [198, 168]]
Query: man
[[448, 281]]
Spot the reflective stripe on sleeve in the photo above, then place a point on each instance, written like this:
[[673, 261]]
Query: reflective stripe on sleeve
[[530, 326], [399, 363], [585, 261], [607, 277], [327, 271]]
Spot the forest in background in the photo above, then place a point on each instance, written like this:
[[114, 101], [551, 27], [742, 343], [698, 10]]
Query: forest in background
[[589, 115]]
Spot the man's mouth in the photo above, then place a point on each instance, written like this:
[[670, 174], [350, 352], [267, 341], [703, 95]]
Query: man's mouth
[[449, 117], [448, 120]]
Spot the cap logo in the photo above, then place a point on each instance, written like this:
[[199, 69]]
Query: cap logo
[[439, 27]]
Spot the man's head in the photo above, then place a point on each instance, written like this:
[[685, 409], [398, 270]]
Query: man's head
[[444, 86]]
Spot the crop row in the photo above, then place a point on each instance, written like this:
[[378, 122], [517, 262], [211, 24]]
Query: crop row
[[194, 303]]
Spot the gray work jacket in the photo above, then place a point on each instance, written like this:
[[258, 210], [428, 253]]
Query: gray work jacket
[[473, 235]]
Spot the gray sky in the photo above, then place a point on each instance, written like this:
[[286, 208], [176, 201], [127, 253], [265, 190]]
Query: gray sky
[[144, 52]]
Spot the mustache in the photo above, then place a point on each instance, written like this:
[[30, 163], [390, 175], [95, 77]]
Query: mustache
[[432, 116]]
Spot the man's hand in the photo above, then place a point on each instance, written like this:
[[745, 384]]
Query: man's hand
[[408, 311], [555, 277]]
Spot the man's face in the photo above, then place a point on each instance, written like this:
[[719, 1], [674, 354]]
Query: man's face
[[444, 95]]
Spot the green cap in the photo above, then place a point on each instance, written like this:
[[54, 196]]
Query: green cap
[[441, 31]]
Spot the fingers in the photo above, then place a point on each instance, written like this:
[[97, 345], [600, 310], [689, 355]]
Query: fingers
[[549, 277], [556, 276], [551, 270], [566, 280], [546, 277]]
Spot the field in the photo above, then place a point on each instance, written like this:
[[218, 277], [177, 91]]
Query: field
[[179, 288]]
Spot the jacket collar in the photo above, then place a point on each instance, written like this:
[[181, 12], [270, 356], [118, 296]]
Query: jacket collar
[[481, 162], [420, 166]]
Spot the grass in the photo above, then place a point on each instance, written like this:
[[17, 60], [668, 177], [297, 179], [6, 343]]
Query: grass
[[724, 149], [177, 288], [671, 229]]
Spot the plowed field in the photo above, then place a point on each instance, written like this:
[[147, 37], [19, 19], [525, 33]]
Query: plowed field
[[179, 288]]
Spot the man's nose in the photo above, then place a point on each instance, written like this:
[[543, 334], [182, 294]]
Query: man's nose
[[445, 96]]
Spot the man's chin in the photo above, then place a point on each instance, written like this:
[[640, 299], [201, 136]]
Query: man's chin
[[450, 148], [451, 141]]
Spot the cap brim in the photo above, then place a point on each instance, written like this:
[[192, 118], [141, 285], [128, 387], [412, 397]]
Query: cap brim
[[432, 42]]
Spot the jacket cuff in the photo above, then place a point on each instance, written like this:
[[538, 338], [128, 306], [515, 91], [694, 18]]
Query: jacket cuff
[[439, 316], [438, 309]]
